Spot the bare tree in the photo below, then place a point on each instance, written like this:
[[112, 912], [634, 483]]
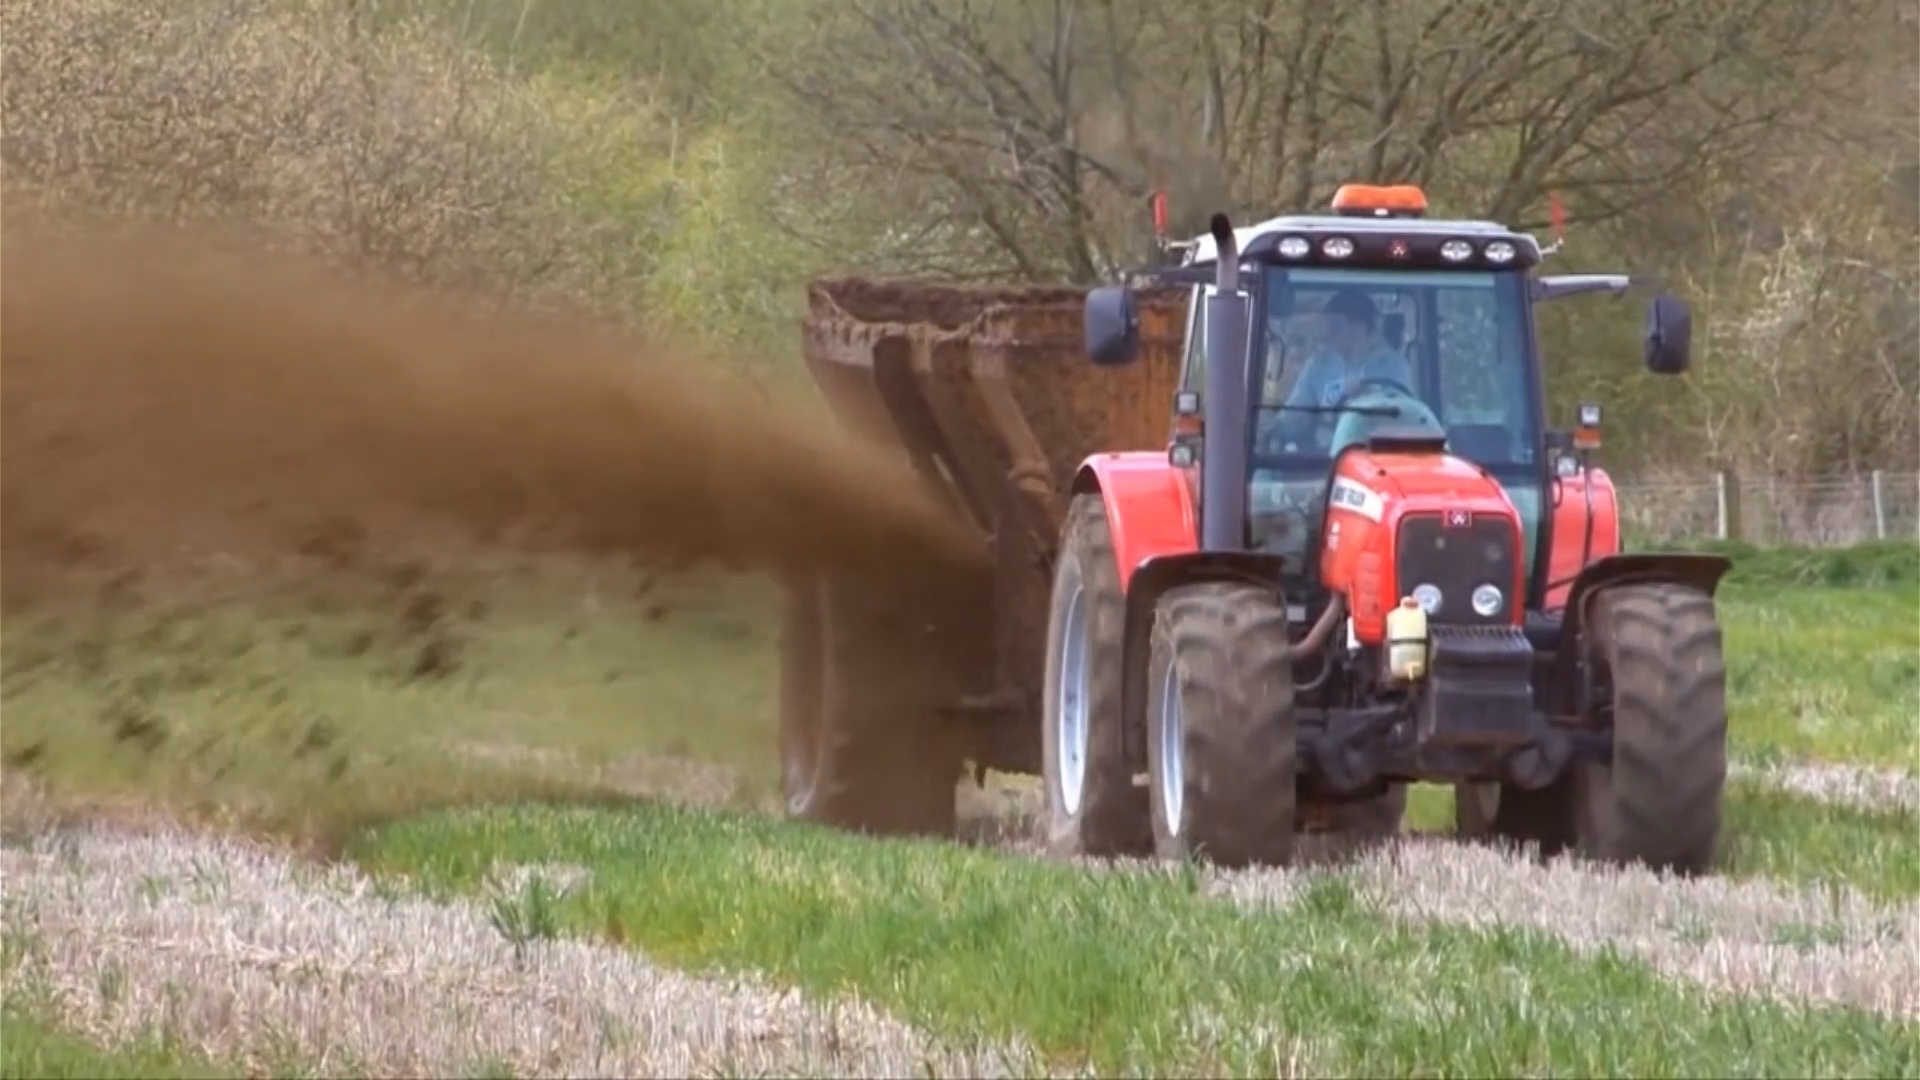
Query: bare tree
[[1023, 126]]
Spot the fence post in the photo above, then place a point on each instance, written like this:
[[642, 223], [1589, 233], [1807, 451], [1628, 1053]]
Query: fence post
[[1879, 505], [1720, 504]]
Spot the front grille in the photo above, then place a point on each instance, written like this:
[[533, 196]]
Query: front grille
[[1456, 561]]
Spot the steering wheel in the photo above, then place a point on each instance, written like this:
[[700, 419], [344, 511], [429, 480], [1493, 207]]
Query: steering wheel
[[1385, 382], [1276, 437]]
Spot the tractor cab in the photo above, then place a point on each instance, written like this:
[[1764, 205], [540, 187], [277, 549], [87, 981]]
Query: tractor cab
[[1367, 321], [1372, 319]]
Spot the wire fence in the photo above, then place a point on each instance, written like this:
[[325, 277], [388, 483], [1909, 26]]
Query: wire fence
[[1828, 512]]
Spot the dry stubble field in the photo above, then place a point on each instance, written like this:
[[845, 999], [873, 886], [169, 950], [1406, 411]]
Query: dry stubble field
[[512, 821]]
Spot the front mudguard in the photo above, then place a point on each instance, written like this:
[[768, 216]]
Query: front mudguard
[[1693, 570], [1150, 581]]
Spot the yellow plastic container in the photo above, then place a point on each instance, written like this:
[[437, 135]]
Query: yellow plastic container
[[1407, 641]]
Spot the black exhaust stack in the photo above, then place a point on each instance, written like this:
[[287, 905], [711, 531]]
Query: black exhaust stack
[[1224, 409]]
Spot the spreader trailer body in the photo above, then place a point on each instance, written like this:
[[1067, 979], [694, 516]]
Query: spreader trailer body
[[1296, 537]]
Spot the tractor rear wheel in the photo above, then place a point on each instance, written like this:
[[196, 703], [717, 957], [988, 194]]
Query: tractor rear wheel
[[1093, 807], [1220, 746], [1658, 803], [863, 746]]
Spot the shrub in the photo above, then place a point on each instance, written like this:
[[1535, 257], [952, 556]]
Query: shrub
[[393, 142]]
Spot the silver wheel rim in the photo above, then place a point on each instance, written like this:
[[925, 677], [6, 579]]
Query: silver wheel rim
[[800, 776], [1173, 765], [800, 763], [800, 750], [1070, 710]]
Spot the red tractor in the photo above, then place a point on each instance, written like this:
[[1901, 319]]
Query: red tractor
[[1358, 561], [1362, 563]]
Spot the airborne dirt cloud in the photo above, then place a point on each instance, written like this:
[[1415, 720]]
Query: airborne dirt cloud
[[166, 394]]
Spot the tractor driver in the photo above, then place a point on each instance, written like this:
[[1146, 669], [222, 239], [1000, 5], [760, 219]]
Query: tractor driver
[[1353, 351]]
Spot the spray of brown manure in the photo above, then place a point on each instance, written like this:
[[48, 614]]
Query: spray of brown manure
[[164, 393]]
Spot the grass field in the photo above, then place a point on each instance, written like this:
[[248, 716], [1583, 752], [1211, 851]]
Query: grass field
[[695, 935]]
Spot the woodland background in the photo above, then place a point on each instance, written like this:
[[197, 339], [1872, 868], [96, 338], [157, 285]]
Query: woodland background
[[688, 164]]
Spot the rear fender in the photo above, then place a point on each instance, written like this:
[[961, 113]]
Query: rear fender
[[1696, 571], [1150, 506], [1151, 580]]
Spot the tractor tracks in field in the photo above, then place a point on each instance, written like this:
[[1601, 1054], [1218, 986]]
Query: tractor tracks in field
[[1812, 944], [1869, 788], [249, 955], [1804, 945], [247, 951]]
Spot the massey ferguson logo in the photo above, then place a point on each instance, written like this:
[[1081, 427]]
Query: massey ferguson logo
[[1459, 519], [1364, 501]]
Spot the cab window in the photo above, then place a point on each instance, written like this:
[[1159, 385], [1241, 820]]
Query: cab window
[[1193, 371], [1460, 334], [1194, 368], [1482, 393]]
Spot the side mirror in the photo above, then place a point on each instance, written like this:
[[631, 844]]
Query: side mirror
[[1113, 327], [1669, 344]]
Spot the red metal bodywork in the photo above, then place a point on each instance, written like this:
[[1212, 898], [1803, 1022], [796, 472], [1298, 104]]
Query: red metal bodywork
[[1151, 509], [1151, 512], [1570, 553], [1370, 494]]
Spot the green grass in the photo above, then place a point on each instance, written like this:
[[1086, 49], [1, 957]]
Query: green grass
[[1779, 836], [1891, 565], [1128, 970], [1823, 674], [315, 708], [32, 1047]]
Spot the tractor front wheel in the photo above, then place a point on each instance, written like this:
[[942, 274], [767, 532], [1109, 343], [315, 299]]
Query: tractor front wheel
[[1658, 802], [1220, 747]]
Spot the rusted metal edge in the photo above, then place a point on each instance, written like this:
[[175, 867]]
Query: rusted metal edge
[[1030, 476]]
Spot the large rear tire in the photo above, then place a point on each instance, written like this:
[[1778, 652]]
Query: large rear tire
[[862, 744], [1093, 807], [1220, 744], [1659, 801]]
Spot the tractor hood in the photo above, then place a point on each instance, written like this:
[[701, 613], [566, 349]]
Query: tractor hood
[[1404, 518]]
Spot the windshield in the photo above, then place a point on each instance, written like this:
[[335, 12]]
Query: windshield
[[1345, 352]]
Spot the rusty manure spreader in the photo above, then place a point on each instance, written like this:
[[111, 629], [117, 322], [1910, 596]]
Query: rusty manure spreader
[[1296, 537]]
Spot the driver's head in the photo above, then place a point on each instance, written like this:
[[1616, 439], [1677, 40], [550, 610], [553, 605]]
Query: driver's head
[[1350, 320]]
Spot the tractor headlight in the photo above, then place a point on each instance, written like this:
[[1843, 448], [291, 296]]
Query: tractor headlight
[[1428, 597], [1294, 247], [1500, 252], [1456, 251], [1487, 600]]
